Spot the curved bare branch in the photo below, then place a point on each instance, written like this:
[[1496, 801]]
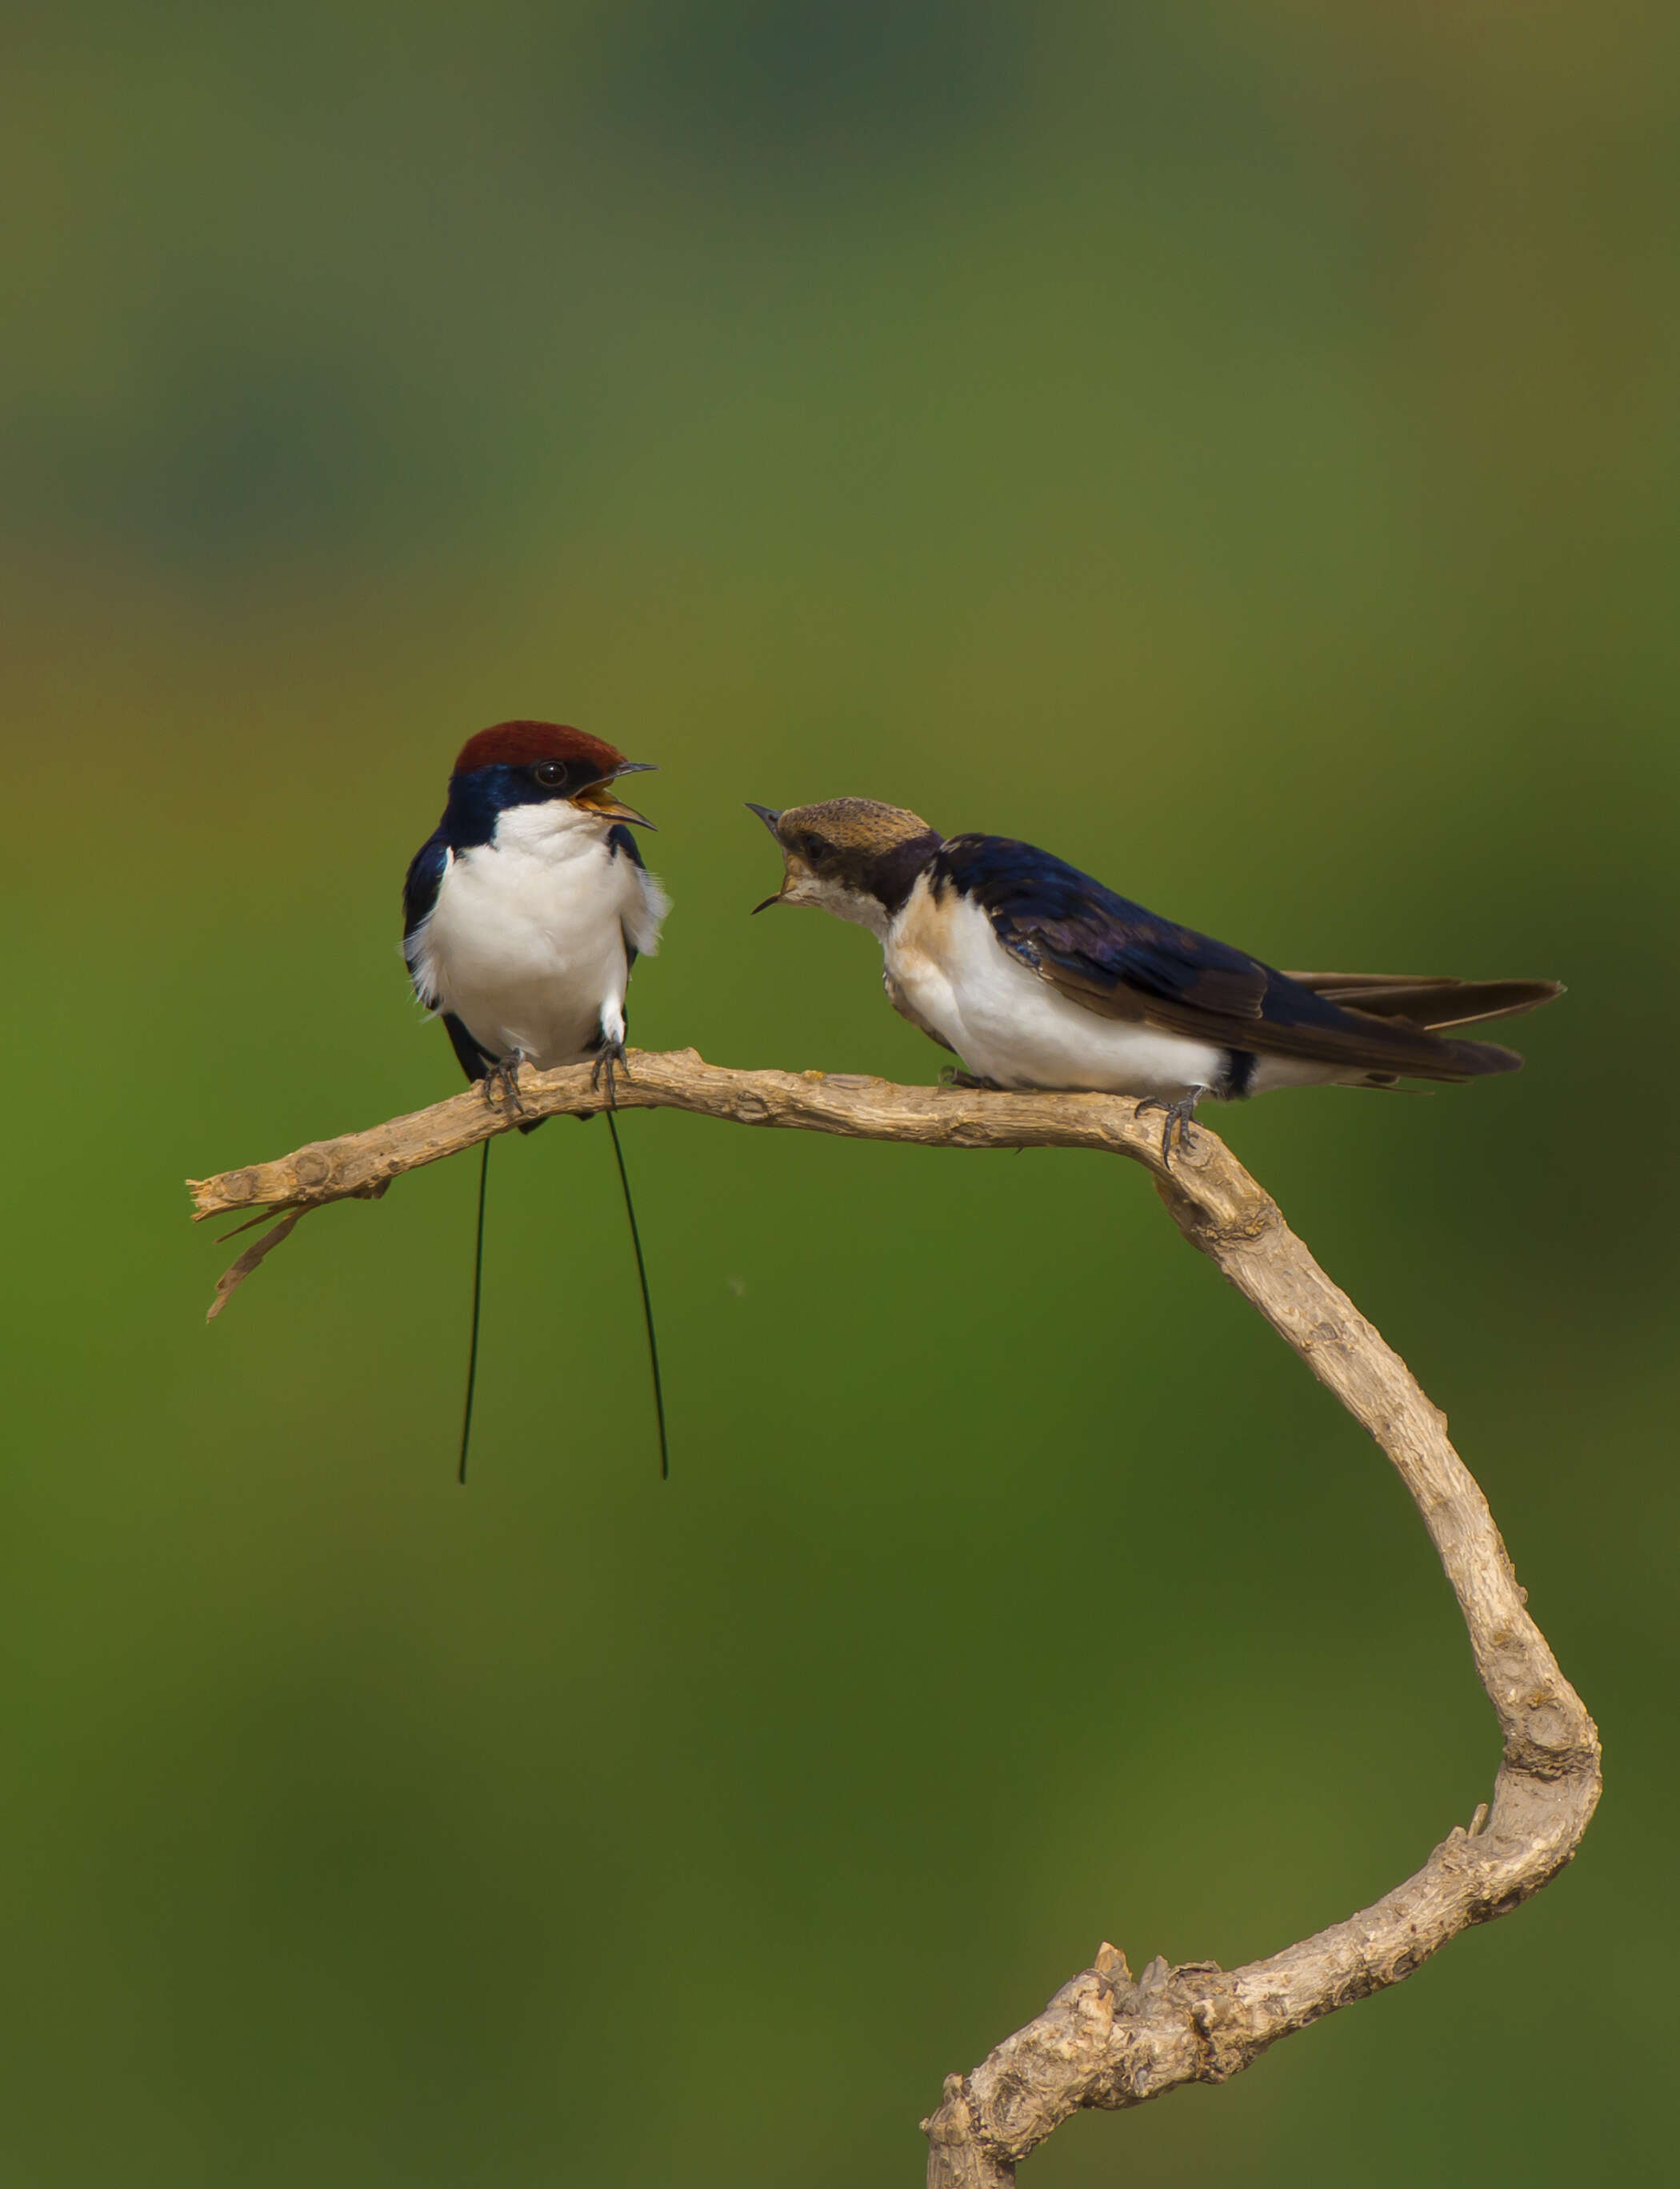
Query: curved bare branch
[[1107, 2039]]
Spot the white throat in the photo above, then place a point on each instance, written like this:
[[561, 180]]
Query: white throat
[[855, 905], [556, 828]]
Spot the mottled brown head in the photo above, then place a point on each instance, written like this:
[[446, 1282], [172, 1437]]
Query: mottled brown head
[[851, 856]]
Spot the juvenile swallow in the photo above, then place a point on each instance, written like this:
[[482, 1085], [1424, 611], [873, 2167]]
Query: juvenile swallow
[[524, 912], [1033, 974]]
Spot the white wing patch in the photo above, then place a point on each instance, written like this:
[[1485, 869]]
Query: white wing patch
[[645, 912], [417, 952]]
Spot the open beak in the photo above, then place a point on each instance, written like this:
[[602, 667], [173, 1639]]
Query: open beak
[[770, 816], [599, 797]]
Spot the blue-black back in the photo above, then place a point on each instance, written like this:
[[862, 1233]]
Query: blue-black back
[[1118, 958]]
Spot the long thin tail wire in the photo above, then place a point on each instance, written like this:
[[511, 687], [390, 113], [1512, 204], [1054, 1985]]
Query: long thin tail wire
[[477, 1294], [646, 1300]]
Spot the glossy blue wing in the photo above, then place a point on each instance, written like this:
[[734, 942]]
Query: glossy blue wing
[[421, 883], [1113, 957], [1068, 927]]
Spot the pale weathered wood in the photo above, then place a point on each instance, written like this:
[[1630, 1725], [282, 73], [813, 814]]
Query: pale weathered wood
[[1107, 2040]]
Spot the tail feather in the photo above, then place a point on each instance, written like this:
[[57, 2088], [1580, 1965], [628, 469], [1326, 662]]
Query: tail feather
[[477, 1296], [647, 1302], [1477, 1058], [1433, 1001]]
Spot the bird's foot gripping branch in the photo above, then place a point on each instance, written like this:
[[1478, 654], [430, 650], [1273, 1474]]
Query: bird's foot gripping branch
[[1107, 2039]]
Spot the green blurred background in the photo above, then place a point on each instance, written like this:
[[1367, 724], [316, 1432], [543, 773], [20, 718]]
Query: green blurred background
[[1233, 445]]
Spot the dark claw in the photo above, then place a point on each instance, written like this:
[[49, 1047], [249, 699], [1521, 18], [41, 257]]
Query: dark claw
[[1179, 1113], [500, 1084], [951, 1076], [611, 1060]]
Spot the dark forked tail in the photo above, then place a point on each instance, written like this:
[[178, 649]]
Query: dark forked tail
[[477, 1292], [647, 1301], [1433, 1004]]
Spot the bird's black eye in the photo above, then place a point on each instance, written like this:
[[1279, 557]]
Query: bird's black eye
[[550, 773], [816, 848]]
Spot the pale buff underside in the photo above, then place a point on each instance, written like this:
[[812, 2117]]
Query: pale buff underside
[[948, 973]]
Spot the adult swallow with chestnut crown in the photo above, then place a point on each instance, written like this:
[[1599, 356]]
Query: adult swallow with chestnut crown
[[524, 912], [1035, 975]]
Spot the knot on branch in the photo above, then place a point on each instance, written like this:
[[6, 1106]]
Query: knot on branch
[[968, 1133], [311, 1167], [1226, 2032], [1213, 1225], [954, 2119]]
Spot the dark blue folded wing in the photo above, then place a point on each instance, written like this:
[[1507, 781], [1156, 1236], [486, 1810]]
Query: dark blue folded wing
[[1113, 957], [473, 1058], [1050, 915], [419, 894], [420, 884]]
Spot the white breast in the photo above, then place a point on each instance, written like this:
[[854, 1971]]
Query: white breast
[[1009, 1025], [526, 943]]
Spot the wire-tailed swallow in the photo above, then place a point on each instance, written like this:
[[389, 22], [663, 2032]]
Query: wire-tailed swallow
[[523, 913], [1034, 974], [528, 905]]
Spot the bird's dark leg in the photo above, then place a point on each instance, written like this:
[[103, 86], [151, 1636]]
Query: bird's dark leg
[[951, 1076], [500, 1083], [610, 1060], [1179, 1113]]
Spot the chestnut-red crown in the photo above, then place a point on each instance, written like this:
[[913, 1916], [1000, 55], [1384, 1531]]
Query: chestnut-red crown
[[521, 745]]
